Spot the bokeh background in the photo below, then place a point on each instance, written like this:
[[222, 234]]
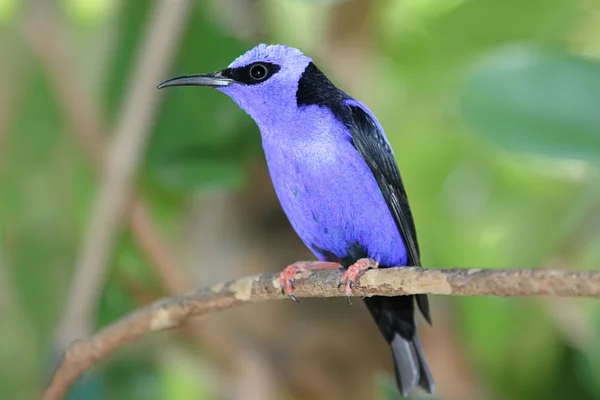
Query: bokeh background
[[492, 107]]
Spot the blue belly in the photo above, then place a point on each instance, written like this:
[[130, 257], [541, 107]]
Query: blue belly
[[333, 202]]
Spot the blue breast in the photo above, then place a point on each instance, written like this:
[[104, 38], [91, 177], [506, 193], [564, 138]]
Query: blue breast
[[328, 192]]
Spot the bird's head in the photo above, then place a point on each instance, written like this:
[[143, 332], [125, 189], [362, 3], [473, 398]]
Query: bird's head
[[263, 81]]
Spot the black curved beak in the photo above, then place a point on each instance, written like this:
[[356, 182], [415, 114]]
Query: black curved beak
[[213, 79]]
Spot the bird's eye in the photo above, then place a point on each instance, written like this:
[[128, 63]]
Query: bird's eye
[[252, 74], [258, 72]]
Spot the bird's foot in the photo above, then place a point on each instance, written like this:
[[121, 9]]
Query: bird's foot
[[288, 275], [352, 273]]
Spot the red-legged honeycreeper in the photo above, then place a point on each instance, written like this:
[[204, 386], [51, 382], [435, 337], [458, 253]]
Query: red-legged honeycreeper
[[335, 175]]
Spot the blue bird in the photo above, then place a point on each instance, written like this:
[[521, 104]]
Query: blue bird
[[336, 178]]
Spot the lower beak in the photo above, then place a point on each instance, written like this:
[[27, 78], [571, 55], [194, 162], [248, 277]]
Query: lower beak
[[214, 79]]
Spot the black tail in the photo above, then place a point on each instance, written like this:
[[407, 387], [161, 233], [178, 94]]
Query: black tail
[[395, 318]]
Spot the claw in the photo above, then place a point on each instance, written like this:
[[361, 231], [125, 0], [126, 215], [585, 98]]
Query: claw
[[287, 276], [353, 272]]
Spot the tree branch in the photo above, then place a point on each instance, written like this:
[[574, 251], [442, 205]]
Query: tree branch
[[122, 158], [173, 312]]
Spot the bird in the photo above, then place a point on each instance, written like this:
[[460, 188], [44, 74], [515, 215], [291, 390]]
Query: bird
[[336, 178]]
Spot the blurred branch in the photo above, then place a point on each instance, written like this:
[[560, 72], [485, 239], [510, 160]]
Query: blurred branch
[[576, 234], [6, 102], [580, 227], [50, 43], [347, 47], [173, 312], [123, 155], [243, 18]]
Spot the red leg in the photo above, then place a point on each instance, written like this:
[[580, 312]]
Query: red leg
[[287, 276], [352, 273]]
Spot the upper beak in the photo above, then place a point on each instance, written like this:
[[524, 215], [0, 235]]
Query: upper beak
[[213, 79]]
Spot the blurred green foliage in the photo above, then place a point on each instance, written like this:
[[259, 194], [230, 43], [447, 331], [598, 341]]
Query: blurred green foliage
[[455, 80], [507, 98]]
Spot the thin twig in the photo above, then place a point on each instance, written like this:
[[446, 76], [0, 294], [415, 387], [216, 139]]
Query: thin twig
[[123, 156], [175, 311]]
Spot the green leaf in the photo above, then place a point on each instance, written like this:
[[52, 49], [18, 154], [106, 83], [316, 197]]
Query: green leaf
[[537, 100]]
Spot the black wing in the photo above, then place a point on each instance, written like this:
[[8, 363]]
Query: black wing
[[372, 146]]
